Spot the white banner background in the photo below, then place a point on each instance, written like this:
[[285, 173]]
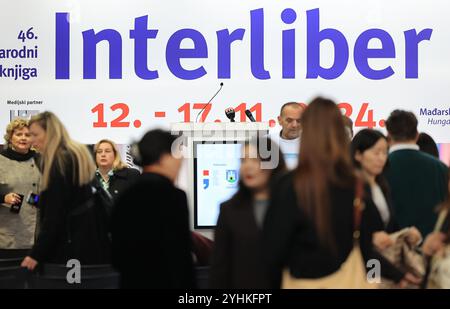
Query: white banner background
[[73, 99]]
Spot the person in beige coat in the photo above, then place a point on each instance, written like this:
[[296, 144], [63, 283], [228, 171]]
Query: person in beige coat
[[19, 175]]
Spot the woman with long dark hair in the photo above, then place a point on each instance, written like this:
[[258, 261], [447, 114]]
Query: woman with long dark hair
[[369, 149], [309, 228], [236, 260]]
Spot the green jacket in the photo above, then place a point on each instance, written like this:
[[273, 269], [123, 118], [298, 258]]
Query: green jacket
[[418, 184]]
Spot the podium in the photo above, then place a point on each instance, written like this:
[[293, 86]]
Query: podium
[[210, 169]]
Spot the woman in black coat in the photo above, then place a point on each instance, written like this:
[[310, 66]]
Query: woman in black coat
[[236, 259], [112, 172], [369, 154], [309, 225], [67, 173]]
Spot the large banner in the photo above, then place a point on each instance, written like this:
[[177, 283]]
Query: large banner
[[117, 68]]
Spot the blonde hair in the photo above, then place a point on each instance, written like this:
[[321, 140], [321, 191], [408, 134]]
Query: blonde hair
[[57, 141], [117, 163], [16, 124]]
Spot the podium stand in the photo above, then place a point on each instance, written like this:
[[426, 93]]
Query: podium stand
[[209, 133]]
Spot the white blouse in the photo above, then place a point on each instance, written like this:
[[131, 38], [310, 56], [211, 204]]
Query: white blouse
[[381, 203]]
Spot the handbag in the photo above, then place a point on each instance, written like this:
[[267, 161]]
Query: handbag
[[352, 273], [404, 256], [439, 277]]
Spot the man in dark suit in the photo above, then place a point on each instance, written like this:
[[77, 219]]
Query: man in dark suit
[[150, 232], [418, 181]]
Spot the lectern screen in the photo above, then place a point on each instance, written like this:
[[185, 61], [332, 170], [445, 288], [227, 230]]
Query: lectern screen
[[216, 176]]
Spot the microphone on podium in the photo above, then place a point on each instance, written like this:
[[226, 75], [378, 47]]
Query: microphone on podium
[[196, 118], [230, 113], [249, 115]]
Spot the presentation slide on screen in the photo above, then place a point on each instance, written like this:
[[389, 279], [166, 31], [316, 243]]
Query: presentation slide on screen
[[216, 179]]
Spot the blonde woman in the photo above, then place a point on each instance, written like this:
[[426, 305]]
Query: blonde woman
[[67, 172], [19, 176], [112, 173]]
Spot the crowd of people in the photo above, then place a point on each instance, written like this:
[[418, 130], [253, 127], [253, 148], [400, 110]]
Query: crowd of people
[[332, 201]]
